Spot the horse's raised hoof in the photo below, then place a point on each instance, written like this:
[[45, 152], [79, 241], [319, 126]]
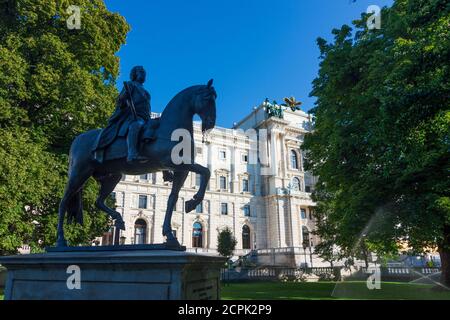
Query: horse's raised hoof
[[190, 205], [168, 176], [119, 224]]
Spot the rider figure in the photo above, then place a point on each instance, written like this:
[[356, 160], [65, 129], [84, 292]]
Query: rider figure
[[137, 111], [132, 111]]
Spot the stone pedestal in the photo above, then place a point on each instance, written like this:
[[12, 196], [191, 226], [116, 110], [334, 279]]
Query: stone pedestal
[[117, 275]]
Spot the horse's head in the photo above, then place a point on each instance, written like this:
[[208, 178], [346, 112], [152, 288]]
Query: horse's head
[[205, 105]]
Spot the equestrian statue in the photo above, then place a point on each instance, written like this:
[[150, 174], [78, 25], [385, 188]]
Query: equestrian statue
[[135, 143]]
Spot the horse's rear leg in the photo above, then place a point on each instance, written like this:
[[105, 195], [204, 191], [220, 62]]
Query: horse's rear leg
[[75, 184], [107, 185]]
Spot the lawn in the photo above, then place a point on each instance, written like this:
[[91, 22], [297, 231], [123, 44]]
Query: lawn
[[330, 290]]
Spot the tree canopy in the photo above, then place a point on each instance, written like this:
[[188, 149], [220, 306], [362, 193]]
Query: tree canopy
[[55, 83], [226, 242], [380, 146]]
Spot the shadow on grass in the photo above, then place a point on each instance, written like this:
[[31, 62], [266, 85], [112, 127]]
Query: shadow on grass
[[330, 290]]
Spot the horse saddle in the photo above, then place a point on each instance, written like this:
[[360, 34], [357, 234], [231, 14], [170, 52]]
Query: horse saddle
[[119, 149]]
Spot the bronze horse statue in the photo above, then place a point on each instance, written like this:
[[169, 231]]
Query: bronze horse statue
[[158, 151]]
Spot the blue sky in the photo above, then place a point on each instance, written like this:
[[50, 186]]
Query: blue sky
[[252, 48]]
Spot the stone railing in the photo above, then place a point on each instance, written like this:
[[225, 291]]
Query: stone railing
[[277, 273], [324, 273]]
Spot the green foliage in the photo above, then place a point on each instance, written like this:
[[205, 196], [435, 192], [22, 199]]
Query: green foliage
[[55, 83], [226, 242], [381, 142]]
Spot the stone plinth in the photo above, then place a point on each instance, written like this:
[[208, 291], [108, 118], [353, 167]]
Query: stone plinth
[[117, 275]]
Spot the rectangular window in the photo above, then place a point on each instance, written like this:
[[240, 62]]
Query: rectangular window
[[144, 177], [142, 202], [199, 208], [245, 158], [198, 179], [222, 154], [224, 208], [247, 211], [303, 213], [308, 189], [223, 183], [245, 185]]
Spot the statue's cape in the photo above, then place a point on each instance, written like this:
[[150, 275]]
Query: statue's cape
[[118, 148], [122, 117]]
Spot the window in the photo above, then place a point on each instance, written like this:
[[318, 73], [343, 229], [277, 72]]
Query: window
[[246, 237], [246, 211], [245, 158], [144, 177], [222, 154], [198, 179], [224, 208], [308, 189], [223, 183], [303, 213], [245, 185], [199, 208], [140, 232], [197, 235], [294, 160], [142, 202], [295, 185], [306, 239]]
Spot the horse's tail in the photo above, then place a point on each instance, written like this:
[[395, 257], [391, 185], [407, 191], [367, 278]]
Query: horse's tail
[[75, 203], [75, 208]]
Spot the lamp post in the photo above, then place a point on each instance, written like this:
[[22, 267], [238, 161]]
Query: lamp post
[[310, 254], [304, 253]]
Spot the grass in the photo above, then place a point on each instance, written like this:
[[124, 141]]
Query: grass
[[330, 291], [1, 294]]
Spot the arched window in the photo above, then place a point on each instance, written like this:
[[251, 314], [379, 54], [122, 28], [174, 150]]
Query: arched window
[[140, 232], [294, 160], [246, 237], [295, 184], [197, 235], [306, 241]]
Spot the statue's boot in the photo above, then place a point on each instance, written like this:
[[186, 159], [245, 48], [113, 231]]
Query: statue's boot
[[132, 141]]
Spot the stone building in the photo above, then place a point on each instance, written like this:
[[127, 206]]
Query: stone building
[[258, 188]]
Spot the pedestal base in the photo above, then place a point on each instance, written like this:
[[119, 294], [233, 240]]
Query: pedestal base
[[113, 275]]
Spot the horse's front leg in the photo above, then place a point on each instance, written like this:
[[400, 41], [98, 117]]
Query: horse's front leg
[[205, 174], [178, 181]]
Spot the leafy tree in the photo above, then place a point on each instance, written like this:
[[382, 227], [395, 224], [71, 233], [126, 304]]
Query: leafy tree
[[226, 243], [381, 142], [55, 83]]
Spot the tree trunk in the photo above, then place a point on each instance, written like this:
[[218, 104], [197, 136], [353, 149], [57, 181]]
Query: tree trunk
[[444, 252]]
